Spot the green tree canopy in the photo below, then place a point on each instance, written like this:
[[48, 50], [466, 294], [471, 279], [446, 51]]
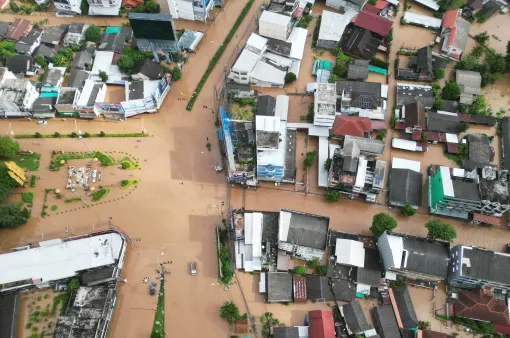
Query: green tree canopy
[[451, 91], [7, 49], [6, 183], [229, 312], [103, 76], [300, 270], [176, 73], [93, 33], [483, 38], [462, 127], [382, 222], [8, 147], [440, 230], [125, 64], [408, 210], [12, 215], [332, 195], [439, 73], [290, 77]]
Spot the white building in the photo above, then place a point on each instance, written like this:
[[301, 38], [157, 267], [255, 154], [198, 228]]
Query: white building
[[350, 252], [91, 93], [75, 34], [194, 10], [274, 25], [104, 7], [19, 92], [332, 28], [103, 63], [324, 105], [68, 7]]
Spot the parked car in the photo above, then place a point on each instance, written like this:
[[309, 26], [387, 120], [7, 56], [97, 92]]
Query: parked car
[[193, 268], [42, 122], [152, 289]]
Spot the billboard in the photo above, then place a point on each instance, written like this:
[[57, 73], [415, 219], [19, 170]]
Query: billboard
[[152, 26]]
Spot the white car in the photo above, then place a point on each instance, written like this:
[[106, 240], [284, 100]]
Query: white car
[[42, 122], [94, 173], [193, 268]]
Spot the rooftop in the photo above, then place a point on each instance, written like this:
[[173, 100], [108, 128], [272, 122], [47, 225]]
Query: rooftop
[[486, 265], [365, 145], [443, 122], [360, 42], [470, 85], [365, 95], [409, 93], [357, 69], [303, 229], [274, 18], [405, 187], [333, 24], [53, 35], [322, 324], [385, 322], [479, 148], [354, 317], [414, 115], [265, 105], [373, 22], [403, 308], [324, 288], [351, 125], [149, 68], [279, 287]]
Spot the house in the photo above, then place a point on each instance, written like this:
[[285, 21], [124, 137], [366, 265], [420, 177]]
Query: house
[[53, 36], [19, 92], [505, 142], [492, 7], [351, 125], [344, 5], [430, 4], [112, 42], [321, 289], [421, 20], [406, 182], [290, 331], [302, 235], [83, 60], [104, 7], [147, 70], [188, 10], [476, 268], [46, 51], [385, 322], [4, 27], [91, 93], [355, 320], [364, 98], [412, 115], [361, 43], [279, 287], [403, 308], [460, 193], [324, 105], [483, 306], [421, 66], [368, 147], [77, 78], [250, 255], [321, 325], [66, 102], [357, 70], [479, 151], [443, 122], [27, 44], [332, 27], [104, 61], [274, 25], [418, 260], [470, 84], [75, 34], [129, 4], [471, 8], [20, 64], [44, 107], [373, 22], [455, 31], [289, 8], [265, 105], [53, 79], [18, 29], [68, 7], [410, 93]]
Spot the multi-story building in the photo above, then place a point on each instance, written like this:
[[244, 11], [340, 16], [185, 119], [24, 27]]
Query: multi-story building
[[475, 268], [324, 105], [285, 7], [194, 10], [20, 93], [68, 7], [104, 7]]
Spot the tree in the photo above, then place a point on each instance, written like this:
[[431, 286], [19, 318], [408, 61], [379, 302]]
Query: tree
[[462, 127], [176, 73], [423, 325], [41, 60], [483, 38], [12, 216], [93, 33], [312, 264], [103, 76], [508, 56], [435, 88], [309, 159], [8, 147], [300, 270], [440, 230], [327, 164], [439, 73], [479, 106], [14, 7], [332, 196], [152, 7], [496, 62], [84, 6], [381, 134], [125, 64], [229, 312], [290, 77], [6, 183], [451, 91], [321, 270], [407, 210], [382, 222]]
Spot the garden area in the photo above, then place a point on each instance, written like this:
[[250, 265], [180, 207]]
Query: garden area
[[243, 109]]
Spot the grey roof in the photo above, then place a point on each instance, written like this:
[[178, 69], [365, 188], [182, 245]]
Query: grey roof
[[285, 332], [26, 42], [4, 26], [19, 63], [268, 139], [365, 145], [187, 38], [490, 8], [46, 51], [414, 115], [470, 85], [9, 315], [405, 187], [278, 46], [354, 317], [451, 106], [443, 123], [370, 273], [350, 164], [44, 104], [98, 275], [461, 33], [324, 288], [357, 69], [66, 95], [409, 93], [494, 190], [405, 307], [149, 68], [279, 287], [93, 94], [113, 42], [53, 35], [77, 78], [424, 60], [485, 265], [360, 42], [128, 32], [366, 95], [479, 148], [82, 60], [76, 27], [265, 105], [270, 227], [426, 256], [52, 76], [135, 90], [385, 322], [471, 165], [505, 142], [289, 172], [307, 230]]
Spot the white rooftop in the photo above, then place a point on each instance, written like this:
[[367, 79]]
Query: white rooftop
[[267, 123], [424, 20], [447, 182], [264, 72], [298, 39], [275, 157], [57, 260], [452, 138], [403, 144], [429, 3], [349, 252], [281, 108], [333, 24], [102, 62], [323, 156], [256, 41], [402, 163], [275, 18], [246, 61]]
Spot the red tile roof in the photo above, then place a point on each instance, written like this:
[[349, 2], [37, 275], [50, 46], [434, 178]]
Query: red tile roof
[[373, 22], [451, 37], [321, 324], [371, 9], [299, 288], [18, 29], [351, 125], [416, 135], [450, 19], [131, 3], [475, 304], [381, 4], [377, 125], [452, 148], [492, 220]]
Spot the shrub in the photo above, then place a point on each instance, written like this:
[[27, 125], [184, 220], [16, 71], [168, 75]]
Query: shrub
[[74, 135], [37, 135], [54, 207], [208, 146], [86, 135], [300, 270], [316, 31], [332, 195], [381, 134], [375, 61], [103, 76], [33, 181], [439, 73], [290, 77], [451, 91], [462, 127], [321, 270], [483, 38], [102, 134], [176, 73], [327, 164], [97, 195], [56, 135], [310, 157], [229, 312], [93, 33], [27, 197], [14, 7], [407, 210]]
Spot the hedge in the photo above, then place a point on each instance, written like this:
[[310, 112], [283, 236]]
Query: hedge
[[71, 135], [375, 61], [217, 55]]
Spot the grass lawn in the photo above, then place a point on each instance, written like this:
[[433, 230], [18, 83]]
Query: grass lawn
[[97, 195], [124, 184], [30, 162], [27, 197], [158, 328], [128, 164], [103, 158], [243, 113], [71, 200]]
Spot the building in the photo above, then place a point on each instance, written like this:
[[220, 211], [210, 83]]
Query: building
[[59, 259], [20, 93], [403, 308], [376, 24], [470, 84], [406, 182], [322, 289], [492, 7], [52, 80], [83, 60], [363, 98], [505, 142], [422, 20], [190, 10], [4, 27], [112, 42], [417, 260], [443, 122], [385, 322], [104, 7], [471, 8], [104, 62], [344, 5], [357, 70], [412, 116], [266, 104], [91, 93], [431, 4], [332, 27], [322, 324], [361, 43], [77, 78], [27, 44], [66, 101], [476, 268], [324, 105], [480, 305], [129, 4], [250, 255], [75, 33], [351, 125], [410, 93], [68, 7], [455, 31], [279, 287], [147, 70], [355, 320], [53, 36], [18, 29], [274, 25], [302, 235], [479, 151], [421, 66], [47, 52], [44, 107], [290, 8]]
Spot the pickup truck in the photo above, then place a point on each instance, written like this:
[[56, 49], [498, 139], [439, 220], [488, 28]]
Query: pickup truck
[[193, 268]]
